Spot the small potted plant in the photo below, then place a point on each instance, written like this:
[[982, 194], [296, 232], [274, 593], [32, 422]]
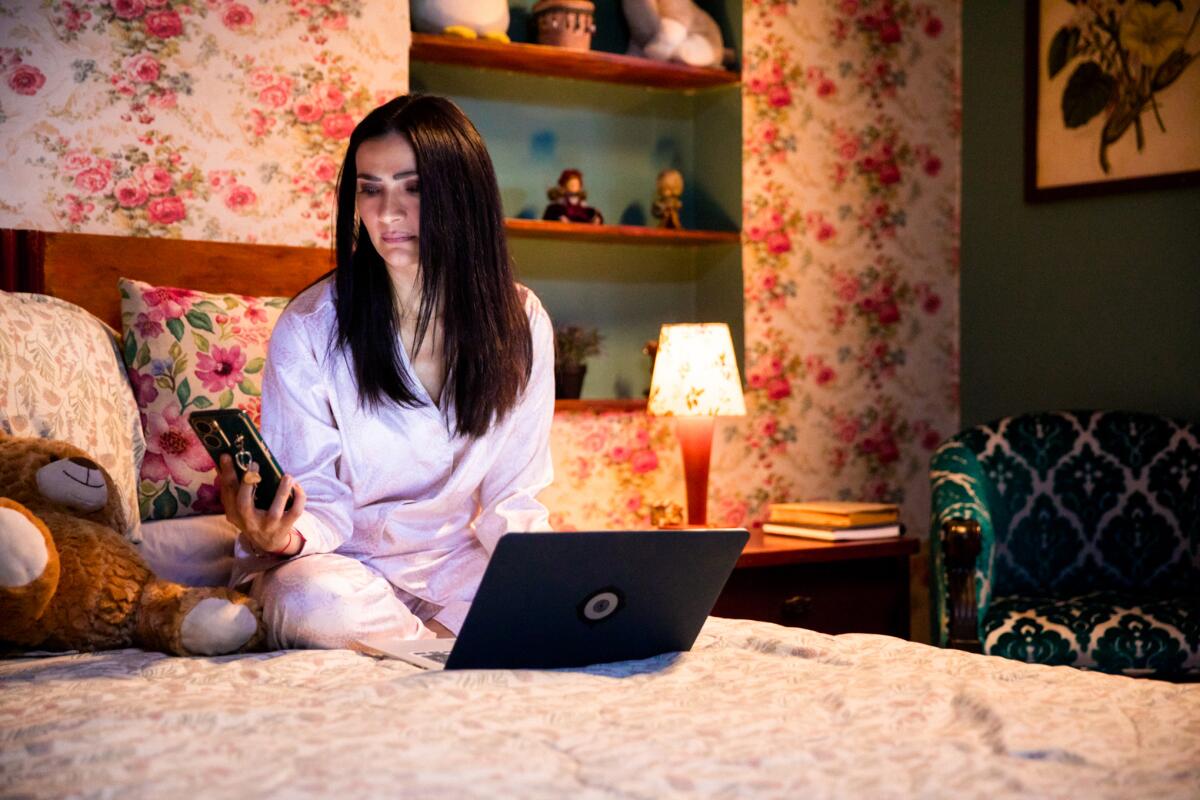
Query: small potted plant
[[573, 345]]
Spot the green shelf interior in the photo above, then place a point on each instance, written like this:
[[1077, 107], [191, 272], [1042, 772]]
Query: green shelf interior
[[620, 137]]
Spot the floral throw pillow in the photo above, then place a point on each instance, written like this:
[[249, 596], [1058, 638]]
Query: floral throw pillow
[[187, 350]]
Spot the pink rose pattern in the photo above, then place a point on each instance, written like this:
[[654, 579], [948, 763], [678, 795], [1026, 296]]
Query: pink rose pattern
[[850, 236], [187, 350], [146, 68], [632, 456], [145, 38], [322, 17], [145, 190], [323, 103], [20, 78]]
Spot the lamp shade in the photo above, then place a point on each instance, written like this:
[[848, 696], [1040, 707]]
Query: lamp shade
[[695, 373]]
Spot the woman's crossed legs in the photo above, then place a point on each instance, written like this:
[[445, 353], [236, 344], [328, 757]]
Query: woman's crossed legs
[[328, 601]]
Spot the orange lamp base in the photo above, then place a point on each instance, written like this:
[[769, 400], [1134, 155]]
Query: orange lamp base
[[695, 438]]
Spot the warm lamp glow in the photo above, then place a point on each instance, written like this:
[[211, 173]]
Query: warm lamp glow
[[695, 373], [695, 380]]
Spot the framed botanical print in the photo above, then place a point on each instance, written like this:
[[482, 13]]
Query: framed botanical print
[[1112, 96]]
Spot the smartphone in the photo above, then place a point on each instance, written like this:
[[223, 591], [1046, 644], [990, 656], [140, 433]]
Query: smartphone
[[230, 431]]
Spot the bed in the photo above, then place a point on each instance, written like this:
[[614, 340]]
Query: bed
[[754, 710]]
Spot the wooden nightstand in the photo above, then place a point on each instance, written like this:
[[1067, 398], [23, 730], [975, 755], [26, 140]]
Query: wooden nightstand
[[833, 587]]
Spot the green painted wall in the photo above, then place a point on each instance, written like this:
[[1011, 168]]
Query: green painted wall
[[1074, 303], [625, 291]]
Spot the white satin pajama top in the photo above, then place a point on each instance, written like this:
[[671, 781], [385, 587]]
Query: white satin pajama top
[[396, 487]]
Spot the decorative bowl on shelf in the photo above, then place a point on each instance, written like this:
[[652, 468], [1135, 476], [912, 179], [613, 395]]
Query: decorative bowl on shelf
[[565, 23]]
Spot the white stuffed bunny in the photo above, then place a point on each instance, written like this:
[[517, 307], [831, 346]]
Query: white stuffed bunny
[[467, 18], [673, 30]]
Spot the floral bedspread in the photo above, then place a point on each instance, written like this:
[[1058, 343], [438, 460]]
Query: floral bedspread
[[754, 710]]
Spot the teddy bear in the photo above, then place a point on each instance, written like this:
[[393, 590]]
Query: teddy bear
[[673, 30], [467, 18], [70, 581]]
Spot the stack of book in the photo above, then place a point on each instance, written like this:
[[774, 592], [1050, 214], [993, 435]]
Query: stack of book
[[834, 521]]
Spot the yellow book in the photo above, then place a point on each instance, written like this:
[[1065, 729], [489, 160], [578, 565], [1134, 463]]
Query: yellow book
[[834, 534], [834, 514]]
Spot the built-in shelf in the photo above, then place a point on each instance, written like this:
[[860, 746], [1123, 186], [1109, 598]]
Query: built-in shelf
[[600, 405], [629, 115], [617, 234], [560, 62]]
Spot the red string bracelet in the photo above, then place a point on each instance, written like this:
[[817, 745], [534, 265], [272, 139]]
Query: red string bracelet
[[282, 551]]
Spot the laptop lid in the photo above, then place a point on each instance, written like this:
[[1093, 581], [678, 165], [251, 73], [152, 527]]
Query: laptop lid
[[574, 599]]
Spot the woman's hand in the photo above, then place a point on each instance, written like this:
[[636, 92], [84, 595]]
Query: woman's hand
[[265, 532]]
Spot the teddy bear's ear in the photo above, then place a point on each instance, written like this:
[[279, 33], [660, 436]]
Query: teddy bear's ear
[[77, 483]]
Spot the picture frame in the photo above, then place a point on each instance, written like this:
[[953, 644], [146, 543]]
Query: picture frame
[[1087, 76]]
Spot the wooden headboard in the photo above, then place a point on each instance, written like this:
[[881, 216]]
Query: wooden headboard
[[84, 268]]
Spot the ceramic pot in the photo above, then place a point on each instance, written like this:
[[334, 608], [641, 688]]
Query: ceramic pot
[[565, 23], [568, 382]]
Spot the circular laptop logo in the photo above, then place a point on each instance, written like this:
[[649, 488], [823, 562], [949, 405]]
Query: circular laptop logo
[[601, 605]]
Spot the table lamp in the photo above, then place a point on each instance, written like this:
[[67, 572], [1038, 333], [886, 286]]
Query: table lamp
[[695, 380]]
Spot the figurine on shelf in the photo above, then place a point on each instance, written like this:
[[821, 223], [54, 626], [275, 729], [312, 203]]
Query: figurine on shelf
[[668, 188], [470, 19], [673, 30], [565, 23], [568, 201]]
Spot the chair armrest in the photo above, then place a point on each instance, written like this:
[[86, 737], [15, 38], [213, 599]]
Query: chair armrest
[[960, 492], [961, 541]]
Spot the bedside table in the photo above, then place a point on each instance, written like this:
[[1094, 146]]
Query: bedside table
[[832, 587]]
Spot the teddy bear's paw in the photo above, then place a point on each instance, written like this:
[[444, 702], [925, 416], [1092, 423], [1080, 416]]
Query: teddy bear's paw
[[697, 52], [671, 34], [23, 553], [215, 626]]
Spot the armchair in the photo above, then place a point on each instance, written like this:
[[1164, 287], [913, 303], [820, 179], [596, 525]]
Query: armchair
[[1071, 538]]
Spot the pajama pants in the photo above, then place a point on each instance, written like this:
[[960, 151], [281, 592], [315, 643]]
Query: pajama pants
[[329, 601]]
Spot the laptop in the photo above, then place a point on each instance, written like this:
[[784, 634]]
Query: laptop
[[551, 600]]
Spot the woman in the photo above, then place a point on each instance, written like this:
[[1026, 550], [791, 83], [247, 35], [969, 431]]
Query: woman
[[409, 392]]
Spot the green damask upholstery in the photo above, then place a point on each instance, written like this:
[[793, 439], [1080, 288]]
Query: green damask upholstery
[[1090, 538]]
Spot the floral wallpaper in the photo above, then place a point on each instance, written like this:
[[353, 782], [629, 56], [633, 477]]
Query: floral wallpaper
[[200, 119], [851, 116]]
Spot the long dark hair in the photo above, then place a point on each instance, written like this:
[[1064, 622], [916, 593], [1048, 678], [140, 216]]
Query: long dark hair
[[464, 262]]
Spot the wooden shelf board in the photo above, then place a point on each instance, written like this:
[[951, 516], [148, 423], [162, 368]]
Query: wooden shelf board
[[560, 62], [597, 406], [616, 234]]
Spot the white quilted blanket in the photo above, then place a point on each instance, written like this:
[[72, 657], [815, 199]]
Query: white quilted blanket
[[755, 710]]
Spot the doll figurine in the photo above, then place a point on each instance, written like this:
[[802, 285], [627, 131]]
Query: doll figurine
[[568, 201], [668, 188]]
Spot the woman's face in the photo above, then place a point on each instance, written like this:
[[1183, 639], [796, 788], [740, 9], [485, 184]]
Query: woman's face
[[388, 199]]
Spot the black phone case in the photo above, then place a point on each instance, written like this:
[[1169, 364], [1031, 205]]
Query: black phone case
[[230, 431]]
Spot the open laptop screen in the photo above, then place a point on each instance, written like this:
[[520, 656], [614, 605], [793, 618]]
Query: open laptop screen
[[573, 599]]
